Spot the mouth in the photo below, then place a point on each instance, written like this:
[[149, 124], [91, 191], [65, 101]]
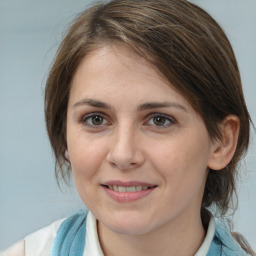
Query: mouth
[[124, 189], [128, 191]]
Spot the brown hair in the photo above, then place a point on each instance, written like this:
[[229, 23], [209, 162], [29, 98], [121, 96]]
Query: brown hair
[[186, 45]]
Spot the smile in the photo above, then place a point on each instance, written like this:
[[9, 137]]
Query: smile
[[125, 192], [123, 189]]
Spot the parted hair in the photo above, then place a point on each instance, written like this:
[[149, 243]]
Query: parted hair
[[187, 46]]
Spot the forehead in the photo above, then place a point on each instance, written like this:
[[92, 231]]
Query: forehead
[[118, 70], [120, 57]]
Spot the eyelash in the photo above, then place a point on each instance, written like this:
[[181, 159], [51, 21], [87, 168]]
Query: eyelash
[[85, 119], [169, 119]]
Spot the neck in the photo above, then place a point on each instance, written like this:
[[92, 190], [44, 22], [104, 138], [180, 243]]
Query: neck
[[182, 237]]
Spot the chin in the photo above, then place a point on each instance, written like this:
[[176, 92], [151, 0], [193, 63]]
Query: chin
[[129, 229], [128, 226]]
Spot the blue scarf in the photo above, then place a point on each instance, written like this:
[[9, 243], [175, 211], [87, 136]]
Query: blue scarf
[[224, 244], [70, 239]]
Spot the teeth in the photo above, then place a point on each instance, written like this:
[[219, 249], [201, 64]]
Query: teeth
[[138, 188], [130, 189], [123, 189]]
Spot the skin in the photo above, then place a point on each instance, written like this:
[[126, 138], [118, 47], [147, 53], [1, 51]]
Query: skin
[[126, 143], [167, 146]]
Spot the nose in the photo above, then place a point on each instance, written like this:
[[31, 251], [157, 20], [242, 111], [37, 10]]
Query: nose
[[124, 151]]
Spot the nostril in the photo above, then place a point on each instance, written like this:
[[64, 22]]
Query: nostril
[[124, 166], [125, 158]]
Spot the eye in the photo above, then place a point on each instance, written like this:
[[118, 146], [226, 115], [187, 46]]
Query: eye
[[94, 119], [160, 120]]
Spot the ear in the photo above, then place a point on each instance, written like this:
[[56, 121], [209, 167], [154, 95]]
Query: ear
[[67, 155], [224, 149]]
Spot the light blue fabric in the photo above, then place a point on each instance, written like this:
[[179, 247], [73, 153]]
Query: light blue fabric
[[224, 244], [70, 239]]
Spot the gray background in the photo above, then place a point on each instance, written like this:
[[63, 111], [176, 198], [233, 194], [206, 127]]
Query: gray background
[[30, 31]]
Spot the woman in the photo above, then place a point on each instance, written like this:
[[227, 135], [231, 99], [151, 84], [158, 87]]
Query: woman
[[144, 103]]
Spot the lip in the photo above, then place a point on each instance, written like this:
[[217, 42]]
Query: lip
[[126, 197], [127, 183]]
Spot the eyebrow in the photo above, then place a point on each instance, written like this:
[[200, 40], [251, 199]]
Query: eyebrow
[[152, 105], [93, 103], [142, 107]]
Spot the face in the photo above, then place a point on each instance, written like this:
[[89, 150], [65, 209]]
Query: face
[[139, 152]]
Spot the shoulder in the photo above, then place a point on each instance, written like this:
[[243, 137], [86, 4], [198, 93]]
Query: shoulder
[[41, 241], [37, 243], [223, 237], [17, 249]]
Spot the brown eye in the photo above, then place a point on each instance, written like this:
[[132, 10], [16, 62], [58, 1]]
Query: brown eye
[[97, 120], [159, 120], [94, 120]]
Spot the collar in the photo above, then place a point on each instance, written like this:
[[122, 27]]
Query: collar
[[208, 239], [92, 245]]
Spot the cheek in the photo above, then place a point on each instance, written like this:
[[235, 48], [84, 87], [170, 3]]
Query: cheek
[[182, 160], [86, 156], [183, 171], [86, 159]]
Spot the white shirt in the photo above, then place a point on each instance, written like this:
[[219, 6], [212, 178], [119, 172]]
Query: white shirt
[[41, 242], [92, 245]]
